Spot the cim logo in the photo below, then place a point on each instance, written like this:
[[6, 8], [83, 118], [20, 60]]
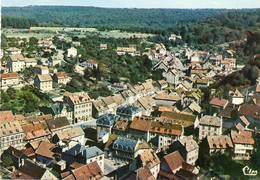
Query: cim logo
[[247, 171]]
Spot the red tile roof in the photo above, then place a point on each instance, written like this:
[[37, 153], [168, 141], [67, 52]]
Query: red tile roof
[[242, 137], [218, 102], [250, 110], [45, 150], [6, 116], [12, 75], [149, 124], [89, 171], [61, 75], [174, 160]]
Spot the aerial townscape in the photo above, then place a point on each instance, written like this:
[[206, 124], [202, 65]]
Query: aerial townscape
[[155, 94]]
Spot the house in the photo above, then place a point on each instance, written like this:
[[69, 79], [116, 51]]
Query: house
[[173, 166], [11, 134], [13, 51], [104, 126], [126, 50], [45, 154], [209, 126], [107, 104], [9, 80], [17, 155], [243, 144], [58, 124], [219, 144], [31, 170], [237, 97], [172, 76], [162, 84], [86, 155], [16, 62], [60, 109], [61, 78], [147, 159], [175, 37], [140, 174], [187, 147], [188, 121], [172, 162], [162, 134], [80, 104], [124, 148], [72, 52], [203, 82], [69, 138], [146, 103], [228, 64], [41, 70], [218, 103], [121, 127], [192, 108], [128, 112], [30, 62], [244, 122], [56, 59], [103, 47], [164, 99], [184, 86], [43, 82], [250, 111], [45, 43], [84, 172], [129, 96], [6, 116], [36, 131]]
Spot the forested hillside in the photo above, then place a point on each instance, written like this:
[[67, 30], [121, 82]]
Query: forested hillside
[[155, 19]]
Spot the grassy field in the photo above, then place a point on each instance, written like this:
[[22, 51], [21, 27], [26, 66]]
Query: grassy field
[[47, 32]]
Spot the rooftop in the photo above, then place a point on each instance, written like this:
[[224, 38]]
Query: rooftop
[[242, 137], [107, 119], [219, 142], [125, 144], [8, 128], [57, 123], [44, 77], [174, 160], [29, 170], [70, 133], [211, 121], [45, 149], [6, 116], [178, 118], [218, 102], [89, 171], [146, 124], [12, 75], [129, 110], [77, 98]]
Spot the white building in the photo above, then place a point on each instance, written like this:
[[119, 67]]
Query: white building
[[9, 80], [72, 52], [80, 105], [11, 134], [16, 63], [210, 126], [243, 144]]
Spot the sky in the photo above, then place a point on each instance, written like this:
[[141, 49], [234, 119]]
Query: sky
[[141, 3]]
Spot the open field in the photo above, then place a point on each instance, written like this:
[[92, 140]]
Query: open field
[[46, 32]]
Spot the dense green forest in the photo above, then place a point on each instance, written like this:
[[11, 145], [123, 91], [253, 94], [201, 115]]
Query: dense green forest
[[198, 26], [155, 19]]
